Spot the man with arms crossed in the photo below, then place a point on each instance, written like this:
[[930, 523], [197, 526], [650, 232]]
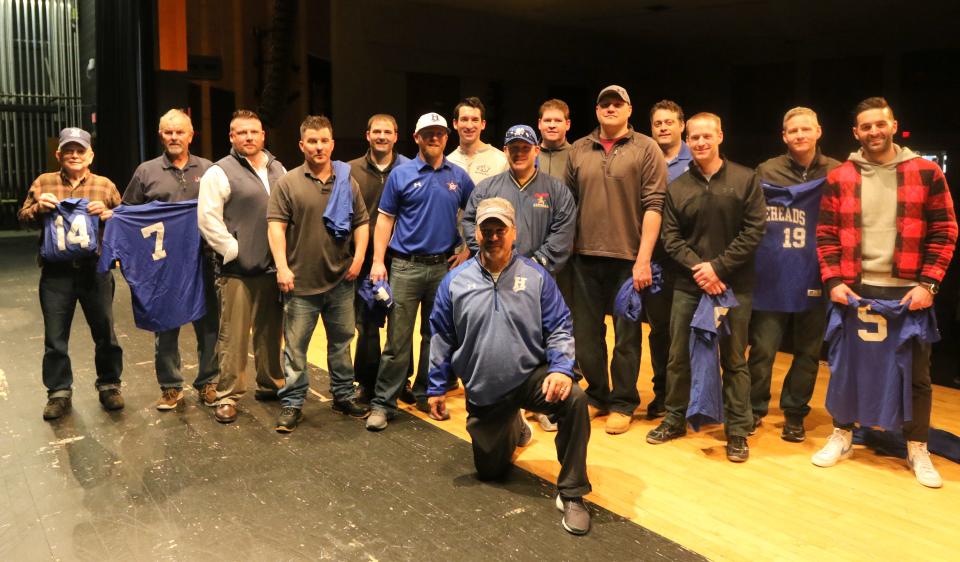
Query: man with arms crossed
[[315, 268], [864, 254], [546, 211]]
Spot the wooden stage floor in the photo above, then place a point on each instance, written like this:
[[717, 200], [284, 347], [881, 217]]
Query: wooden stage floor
[[776, 506]]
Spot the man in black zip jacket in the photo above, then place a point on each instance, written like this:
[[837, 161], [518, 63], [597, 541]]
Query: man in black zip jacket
[[713, 221], [232, 216]]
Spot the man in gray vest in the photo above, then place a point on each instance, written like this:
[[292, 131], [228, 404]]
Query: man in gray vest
[[171, 177], [232, 215]]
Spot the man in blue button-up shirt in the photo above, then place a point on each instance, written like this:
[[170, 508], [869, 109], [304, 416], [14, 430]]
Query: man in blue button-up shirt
[[418, 227]]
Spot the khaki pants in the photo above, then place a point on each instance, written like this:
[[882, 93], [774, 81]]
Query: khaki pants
[[247, 302]]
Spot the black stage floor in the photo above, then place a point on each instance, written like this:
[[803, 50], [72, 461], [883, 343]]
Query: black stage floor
[[147, 485]]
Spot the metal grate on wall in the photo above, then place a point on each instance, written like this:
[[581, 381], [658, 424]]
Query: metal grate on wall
[[39, 91]]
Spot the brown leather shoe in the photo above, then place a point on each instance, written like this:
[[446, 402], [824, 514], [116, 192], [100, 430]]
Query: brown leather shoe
[[208, 394], [226, 413]]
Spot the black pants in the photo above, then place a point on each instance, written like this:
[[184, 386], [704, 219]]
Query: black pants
[[495, 432], [917, 428], [62, 286]]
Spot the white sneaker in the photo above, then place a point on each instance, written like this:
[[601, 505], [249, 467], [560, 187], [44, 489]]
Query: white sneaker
[[918, 458], [839, 446]]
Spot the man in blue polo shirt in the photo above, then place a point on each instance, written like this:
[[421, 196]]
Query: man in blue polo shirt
[[418, 226]]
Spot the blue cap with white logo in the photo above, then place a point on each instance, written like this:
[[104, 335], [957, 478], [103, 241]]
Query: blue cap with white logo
[[521, 133], [73, 134]]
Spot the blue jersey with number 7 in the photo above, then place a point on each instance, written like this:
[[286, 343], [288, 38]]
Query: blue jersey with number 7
[[871, 360], [158, 245]]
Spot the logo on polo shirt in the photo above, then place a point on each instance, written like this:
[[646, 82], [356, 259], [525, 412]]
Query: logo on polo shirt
[[519, 284], [452, 186], [417, 184], [541, 200]]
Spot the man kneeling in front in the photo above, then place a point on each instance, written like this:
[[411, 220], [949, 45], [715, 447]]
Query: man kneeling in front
[[500, 324]]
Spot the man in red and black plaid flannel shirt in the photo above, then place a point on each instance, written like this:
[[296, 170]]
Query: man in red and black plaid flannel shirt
[[887, 230]]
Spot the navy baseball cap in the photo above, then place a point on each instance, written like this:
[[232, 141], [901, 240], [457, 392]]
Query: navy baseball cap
[[73, 134], [521, 133]]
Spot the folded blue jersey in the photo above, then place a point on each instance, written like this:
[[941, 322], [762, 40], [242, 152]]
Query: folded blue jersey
[[709, 323], [338, 216], [629, 302], [377, 301]]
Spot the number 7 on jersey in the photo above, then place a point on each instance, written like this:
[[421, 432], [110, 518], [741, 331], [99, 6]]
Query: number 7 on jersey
[[156, 228]]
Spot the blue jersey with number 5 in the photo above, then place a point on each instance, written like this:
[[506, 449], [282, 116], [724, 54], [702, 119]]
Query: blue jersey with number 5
[[871, 360], [788, 273], [69, 233], [158, 245]]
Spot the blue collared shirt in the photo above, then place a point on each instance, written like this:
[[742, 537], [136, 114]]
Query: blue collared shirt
[[679, 165], [424, 203]]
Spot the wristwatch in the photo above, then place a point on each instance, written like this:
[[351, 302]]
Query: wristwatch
[[932, 287]]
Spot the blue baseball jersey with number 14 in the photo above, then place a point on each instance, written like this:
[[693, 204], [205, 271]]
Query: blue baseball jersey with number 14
[[158, 245], [871, 360], [788, 273], [69, 233]]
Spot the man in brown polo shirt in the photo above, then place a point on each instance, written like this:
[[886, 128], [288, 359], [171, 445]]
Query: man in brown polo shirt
[[74, 278], [314, 213]]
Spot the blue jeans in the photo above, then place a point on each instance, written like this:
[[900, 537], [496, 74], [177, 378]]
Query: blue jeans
[[414, 285], [167, 344], [62, 285], [300, 315]]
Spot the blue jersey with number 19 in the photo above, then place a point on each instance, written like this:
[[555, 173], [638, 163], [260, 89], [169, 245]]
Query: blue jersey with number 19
[[788, 273], [870, 357], [69, 233], [158, 245]]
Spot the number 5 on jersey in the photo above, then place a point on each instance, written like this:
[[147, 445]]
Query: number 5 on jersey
[[867, 317], [156, 228]]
